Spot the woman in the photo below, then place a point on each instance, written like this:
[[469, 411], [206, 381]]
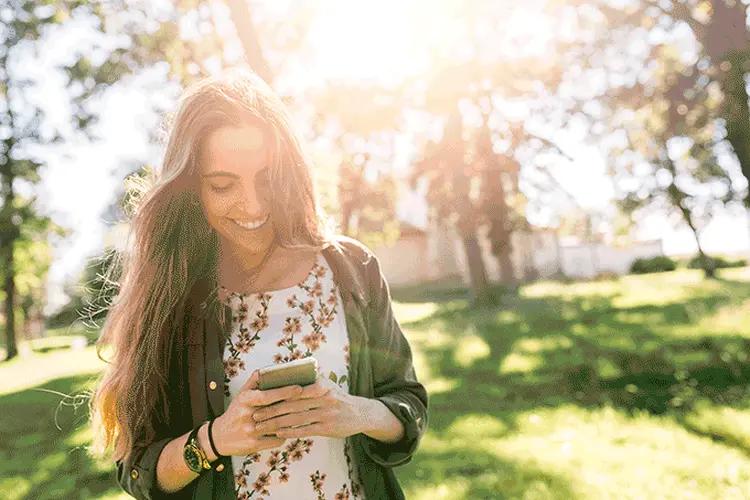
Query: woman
[[232, 267]]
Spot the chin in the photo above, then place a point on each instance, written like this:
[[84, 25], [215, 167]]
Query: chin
[[255, 241]]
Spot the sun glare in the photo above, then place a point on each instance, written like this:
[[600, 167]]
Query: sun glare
[[363, 40]]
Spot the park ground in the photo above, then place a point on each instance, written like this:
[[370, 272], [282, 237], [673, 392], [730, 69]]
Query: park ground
[[635, 388]]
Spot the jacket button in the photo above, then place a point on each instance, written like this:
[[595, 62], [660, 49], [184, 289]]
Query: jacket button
[[212, 385], [134, 474], [220, 467]]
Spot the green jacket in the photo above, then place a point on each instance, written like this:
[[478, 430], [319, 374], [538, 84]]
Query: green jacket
[[380, 367]]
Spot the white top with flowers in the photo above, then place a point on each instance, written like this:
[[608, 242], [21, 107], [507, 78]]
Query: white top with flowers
[[303, 320]]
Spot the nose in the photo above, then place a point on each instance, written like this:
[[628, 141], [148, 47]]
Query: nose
[[252, 202]]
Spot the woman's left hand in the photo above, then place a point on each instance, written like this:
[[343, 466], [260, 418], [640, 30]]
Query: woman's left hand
[[322, 409]]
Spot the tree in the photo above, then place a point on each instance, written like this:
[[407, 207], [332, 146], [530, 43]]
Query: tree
[[722, 63], [27, 24], [690, 49], [446, 167], [669, 163]]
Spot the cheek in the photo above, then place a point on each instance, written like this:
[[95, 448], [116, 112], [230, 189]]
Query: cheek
[[214, 206]]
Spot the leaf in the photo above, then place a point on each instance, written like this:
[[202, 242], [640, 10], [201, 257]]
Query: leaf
[[333, 377], [342, 379]]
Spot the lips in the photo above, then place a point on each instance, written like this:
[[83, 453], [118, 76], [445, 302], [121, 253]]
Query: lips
[[252, 224]]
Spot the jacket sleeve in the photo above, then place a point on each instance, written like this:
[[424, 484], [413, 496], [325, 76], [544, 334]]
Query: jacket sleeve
[[137, 473], [395, 381]]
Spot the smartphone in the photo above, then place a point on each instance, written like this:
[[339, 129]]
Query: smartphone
[[298, 372]]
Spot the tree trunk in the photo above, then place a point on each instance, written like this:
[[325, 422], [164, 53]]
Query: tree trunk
[[10, 293], [736, 112], [507, 275], [248, 35], [480, 293], [706, 263]]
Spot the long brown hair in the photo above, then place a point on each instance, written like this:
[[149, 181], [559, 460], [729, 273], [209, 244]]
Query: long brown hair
[[173, 246]]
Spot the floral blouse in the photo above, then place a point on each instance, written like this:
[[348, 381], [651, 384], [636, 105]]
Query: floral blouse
[[283, 325]]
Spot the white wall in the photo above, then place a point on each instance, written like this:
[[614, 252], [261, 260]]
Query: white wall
[[589, 260], [405, 262], [418, 258]]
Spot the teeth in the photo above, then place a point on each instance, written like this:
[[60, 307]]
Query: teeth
[[251, 225]]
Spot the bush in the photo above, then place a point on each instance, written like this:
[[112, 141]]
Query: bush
[[658, 264], [718, 263]]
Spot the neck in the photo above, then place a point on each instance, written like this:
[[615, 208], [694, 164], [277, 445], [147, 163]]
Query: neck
[[240, 262]]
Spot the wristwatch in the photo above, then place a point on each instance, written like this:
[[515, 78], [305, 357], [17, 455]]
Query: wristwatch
[[195, 458]]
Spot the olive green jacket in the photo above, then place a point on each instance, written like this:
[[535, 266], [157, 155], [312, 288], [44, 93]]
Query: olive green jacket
[[380, 367]]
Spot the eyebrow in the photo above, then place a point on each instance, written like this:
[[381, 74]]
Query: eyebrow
[[220, 173]]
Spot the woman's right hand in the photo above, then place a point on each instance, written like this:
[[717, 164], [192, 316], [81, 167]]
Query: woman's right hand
[[234, 431]]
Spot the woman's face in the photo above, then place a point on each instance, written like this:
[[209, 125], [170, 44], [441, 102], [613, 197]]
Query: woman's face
[[234, 187]]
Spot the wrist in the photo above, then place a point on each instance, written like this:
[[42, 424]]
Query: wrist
[[378, 422], [205, 444]]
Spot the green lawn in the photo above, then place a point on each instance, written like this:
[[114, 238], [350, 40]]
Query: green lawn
[[628, 389]]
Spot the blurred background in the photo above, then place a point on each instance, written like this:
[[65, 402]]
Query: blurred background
[[557, 191]]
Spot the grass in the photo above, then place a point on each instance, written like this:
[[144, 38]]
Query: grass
[[636, 388]]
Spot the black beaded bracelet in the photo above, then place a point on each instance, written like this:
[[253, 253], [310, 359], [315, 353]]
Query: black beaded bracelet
[[211, 439]]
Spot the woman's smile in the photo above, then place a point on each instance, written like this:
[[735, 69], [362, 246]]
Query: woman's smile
[[251, 225]]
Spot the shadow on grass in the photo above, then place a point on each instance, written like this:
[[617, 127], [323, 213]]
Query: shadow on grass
[[42, 445], [476, 474], [585, 350]]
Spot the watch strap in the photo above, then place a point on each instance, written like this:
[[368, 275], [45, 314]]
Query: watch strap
[[192, 446], [211, 439]]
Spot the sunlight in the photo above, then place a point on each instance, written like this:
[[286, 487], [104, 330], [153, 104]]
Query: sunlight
[[357, 47], [362, 40]]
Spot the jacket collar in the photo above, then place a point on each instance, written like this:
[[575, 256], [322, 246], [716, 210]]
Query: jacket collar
[[346, 267]]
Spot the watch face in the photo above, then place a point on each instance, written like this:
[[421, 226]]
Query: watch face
[[193, 459]]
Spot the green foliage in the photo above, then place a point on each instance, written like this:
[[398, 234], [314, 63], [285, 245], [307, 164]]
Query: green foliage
[[658, 264], [91, 299], [650, 364], [717, 263]]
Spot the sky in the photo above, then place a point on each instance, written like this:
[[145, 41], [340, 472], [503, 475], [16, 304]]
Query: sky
[[75, 191]]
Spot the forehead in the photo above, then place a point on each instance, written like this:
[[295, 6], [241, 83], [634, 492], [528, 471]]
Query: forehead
[[235, 149]]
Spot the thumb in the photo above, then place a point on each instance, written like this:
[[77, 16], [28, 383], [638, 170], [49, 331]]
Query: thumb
[[251, 383]]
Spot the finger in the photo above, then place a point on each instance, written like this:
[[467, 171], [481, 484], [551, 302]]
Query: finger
[[316, 429], [263, 398], [285, 407], [251, 383], [269, 441], [316, 390], [292, 419]]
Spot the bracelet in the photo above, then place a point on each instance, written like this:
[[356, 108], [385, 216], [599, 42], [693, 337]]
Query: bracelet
[[211, 439]]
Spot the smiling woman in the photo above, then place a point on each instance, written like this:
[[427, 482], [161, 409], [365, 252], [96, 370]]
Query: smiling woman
[[234, 267]]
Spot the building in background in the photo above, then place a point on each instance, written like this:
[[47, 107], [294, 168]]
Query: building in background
[[436, 253]]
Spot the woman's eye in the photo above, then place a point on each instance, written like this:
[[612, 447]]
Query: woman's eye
[[220, 189]]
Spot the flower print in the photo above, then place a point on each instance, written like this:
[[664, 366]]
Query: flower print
[[232, 366], [274, 459], [277, 358], [316, 290], [320, 271], [325, 321], [266, 297], [317, 480], [260, 484], [260, 322], [293, 325], [284, 477], [332, 299], [291, 301], [308, 307], [343, 494], [240, 479], [245, 495]]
